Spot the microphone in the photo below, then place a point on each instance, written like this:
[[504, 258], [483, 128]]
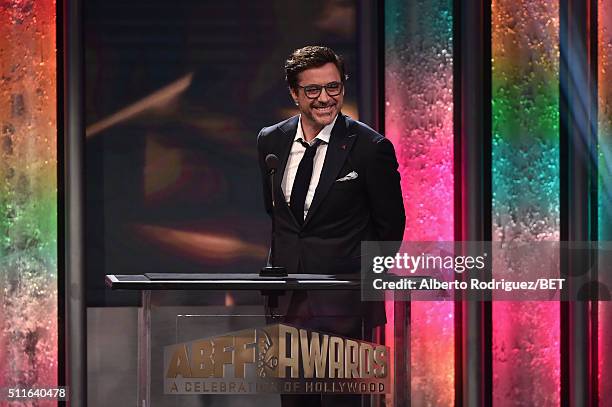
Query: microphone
[[272, 163], [271, 270]]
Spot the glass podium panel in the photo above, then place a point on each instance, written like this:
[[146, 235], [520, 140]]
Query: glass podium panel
[[192, 354]]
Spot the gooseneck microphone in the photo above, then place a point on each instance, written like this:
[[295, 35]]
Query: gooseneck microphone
[[272, 162], [271, 270], [272, 165]]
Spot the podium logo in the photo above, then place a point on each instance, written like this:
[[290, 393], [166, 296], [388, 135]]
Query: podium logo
[[276, 359]]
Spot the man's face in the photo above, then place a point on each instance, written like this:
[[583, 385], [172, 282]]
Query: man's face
[[321, 110]]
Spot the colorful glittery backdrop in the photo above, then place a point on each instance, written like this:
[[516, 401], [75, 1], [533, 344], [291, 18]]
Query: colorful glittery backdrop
[[605, 188], [28, 195], [419, 122], [525, 74]]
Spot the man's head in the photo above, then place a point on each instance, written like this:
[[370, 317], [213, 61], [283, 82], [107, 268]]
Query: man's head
[[316, 77]]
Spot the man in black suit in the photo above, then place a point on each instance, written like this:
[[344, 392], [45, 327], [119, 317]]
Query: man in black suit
[[337, 185]]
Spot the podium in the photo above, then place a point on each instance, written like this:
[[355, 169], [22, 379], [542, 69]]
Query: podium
[[175, 325]]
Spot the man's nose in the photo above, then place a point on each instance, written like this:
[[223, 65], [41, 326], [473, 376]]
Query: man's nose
[[323, 97]]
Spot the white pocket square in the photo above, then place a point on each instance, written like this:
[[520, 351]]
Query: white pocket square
[[351, 175]]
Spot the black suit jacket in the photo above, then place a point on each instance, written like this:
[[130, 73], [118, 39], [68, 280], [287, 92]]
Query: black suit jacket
[[341, 215]]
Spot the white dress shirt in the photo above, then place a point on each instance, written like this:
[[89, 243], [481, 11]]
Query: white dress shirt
[[295, 156]]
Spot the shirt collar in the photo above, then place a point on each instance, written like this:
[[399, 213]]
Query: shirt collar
[[323, 135]]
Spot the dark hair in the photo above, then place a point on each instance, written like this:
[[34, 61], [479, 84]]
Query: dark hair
[[311, 56]]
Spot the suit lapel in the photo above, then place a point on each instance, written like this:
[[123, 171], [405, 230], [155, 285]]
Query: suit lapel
[[283, 149], [340, 143]]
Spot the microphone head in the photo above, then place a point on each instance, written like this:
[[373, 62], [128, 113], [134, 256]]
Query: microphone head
[[272, 162]]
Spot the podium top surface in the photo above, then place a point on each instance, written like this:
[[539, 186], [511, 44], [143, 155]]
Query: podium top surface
[[232, 281]]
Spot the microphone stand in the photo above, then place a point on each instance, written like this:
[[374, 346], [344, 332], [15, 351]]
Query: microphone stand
[[271, 270]]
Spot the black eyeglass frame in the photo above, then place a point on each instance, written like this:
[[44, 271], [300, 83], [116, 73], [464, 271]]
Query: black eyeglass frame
[[319, 89]]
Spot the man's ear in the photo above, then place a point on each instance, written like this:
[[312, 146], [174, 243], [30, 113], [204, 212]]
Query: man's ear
[[294, 95]]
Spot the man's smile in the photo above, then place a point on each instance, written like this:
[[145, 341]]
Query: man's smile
[[324, 109]]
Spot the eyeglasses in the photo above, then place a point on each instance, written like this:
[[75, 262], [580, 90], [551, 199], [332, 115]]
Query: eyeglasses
[[314, 91]]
